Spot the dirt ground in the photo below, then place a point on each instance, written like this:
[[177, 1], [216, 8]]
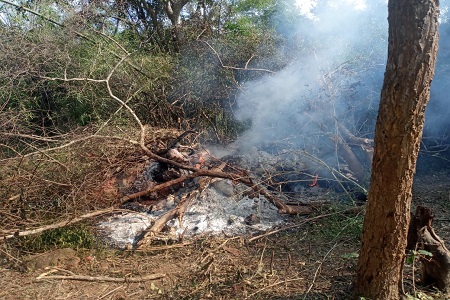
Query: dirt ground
[[313, 260]]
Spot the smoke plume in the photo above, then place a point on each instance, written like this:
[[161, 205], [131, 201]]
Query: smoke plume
[[334, 80]]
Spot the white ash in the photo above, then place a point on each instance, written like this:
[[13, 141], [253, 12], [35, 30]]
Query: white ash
[[120, 230], [212, 213]]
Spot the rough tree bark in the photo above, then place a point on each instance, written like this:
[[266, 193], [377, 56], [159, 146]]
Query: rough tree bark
[[412, 50]]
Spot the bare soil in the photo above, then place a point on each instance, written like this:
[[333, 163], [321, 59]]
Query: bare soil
[[315, 260]]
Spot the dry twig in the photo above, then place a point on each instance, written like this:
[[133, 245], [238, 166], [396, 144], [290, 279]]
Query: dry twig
[[236, 68], [273, 285], [160, 248], [58, 225], [45, 276]]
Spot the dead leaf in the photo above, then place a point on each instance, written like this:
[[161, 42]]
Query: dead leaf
[[232, 251]]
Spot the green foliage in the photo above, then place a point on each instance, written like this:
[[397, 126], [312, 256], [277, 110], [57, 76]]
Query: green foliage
[[250, 5], [150, 80], [250, 20], [37, 54], [69, 236], [242, 27], [339, 226], [350, 255], [66, 105], [416, 254]]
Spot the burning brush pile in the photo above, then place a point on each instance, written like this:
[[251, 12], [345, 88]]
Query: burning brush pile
[[184, 191], [153, 187]]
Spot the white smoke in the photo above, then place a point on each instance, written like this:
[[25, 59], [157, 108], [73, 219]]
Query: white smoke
[[345, 61], [338, 76]]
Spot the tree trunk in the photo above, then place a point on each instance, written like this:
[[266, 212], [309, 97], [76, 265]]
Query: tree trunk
[[413, 42], [173, 10]]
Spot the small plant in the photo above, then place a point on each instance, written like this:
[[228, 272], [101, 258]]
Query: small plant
[[70, 236], [411, 259], [340, 225], [419, 296], [350, 255], [416, 254]]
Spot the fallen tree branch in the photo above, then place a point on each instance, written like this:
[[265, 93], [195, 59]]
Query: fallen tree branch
[[173, 143], [159, 224], [353, 162], [350, 138], [180, 209], [44, 276], [197, 173], [283, 208], [365, 144], [58, 225]]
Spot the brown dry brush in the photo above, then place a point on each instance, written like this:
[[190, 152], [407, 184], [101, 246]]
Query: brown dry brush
[[84, 176], [43, 187], [39, 187], [52, 171]]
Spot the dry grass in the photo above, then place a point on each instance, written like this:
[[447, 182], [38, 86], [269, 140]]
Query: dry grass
[[315, 260], [283, 266]]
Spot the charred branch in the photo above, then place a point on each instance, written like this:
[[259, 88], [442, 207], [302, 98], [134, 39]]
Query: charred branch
[[345, 141], [351, 139], [283, 208], [352, 160], [178, 211], [365, 144]]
